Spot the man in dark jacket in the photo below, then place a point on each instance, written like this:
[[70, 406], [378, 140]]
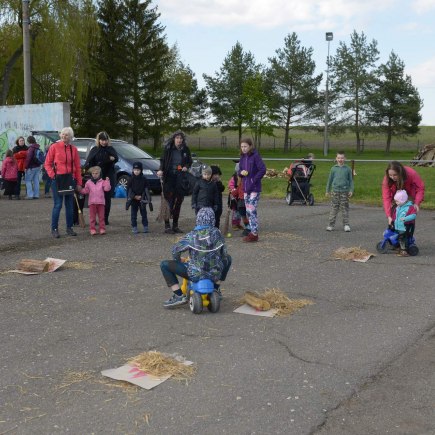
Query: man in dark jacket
[[175, 161]]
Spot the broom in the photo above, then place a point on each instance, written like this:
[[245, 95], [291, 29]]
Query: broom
[[164, 213], [227, 224], [81, 217]]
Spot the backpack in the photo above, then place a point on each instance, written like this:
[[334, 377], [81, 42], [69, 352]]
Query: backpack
[[39, 156]]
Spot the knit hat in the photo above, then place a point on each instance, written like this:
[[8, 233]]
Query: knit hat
[[205, 216], [138, 165], [206, 170], [215, 170], [401, 196]]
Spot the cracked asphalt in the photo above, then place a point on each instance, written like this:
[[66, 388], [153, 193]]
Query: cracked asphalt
[[360, 360]]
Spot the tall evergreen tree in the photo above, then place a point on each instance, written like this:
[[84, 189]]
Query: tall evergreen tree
[[226, 89], [295, 87], [352, 75], [395, 103]]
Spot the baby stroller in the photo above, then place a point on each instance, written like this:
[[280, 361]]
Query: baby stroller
[[298, 188], [391, 241]]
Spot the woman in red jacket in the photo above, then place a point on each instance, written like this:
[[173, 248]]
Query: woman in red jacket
[[399, 177], [63, 158]]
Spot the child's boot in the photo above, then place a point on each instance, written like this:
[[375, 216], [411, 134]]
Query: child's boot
[[145, 229], [134, 230]]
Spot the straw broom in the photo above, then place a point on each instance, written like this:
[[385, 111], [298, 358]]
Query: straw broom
[[81, 217], [164, 213], [226, 233]]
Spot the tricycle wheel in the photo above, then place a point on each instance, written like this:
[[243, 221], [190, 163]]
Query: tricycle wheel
[[382, 247], [195, 303], [413, 250], [214, 302], [310, 199]]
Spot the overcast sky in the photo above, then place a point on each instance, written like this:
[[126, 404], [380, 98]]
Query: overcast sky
[[206, 30]]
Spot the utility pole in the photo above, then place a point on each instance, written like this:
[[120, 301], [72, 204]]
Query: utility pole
[[26, 54], [329, 38]]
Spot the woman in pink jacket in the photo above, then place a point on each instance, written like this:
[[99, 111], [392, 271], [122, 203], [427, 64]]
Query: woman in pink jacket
[[399, 177], [95, 188]]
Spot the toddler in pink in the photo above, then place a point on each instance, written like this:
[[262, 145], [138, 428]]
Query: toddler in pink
[[95, 188]]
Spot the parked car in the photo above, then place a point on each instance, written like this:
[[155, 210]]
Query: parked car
[[127, 153]]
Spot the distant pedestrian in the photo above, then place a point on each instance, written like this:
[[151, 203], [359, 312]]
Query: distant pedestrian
[[33, 169], [9, 174], [20, 153], [96, 187], [252, 170], [175, 161], [340, 188]]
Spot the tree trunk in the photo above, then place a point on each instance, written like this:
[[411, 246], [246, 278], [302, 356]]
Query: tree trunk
[[7, 74]]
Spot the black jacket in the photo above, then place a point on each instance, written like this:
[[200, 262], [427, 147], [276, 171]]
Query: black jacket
[[100, 156], [165, 159], [205, 194]]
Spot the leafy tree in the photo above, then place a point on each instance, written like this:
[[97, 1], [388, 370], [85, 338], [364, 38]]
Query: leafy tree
[[352, 75], [226, 89], [62, 36], [187, 102], [294, 85], [395, 102], [258, 109]]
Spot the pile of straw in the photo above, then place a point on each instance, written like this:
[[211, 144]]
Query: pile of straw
[[281, 302], [354, 253], [160, 365]]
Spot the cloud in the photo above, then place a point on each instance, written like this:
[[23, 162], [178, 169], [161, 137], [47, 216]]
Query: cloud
[[308, 14], [423, 75], [423, 6]]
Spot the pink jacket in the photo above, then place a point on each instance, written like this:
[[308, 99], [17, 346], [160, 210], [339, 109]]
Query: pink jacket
[[96, 191], [414, 187], [9, 169]]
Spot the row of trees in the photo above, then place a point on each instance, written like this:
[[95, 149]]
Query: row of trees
[[111, 60]]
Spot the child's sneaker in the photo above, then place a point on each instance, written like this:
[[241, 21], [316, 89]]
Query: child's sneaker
[[251, 238], [175, 301], [329, 228], [237, 227], [347, 228], [402, 253], [145, 229], [134, 230], [102, 232], [245, 232], [93, 232]]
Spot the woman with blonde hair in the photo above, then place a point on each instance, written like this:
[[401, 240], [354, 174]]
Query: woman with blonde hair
[[104, 156]]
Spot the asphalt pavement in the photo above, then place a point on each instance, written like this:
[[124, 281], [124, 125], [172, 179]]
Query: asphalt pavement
[[359, 360]]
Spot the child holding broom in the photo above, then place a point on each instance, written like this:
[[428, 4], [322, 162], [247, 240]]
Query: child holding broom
[[95, 188]]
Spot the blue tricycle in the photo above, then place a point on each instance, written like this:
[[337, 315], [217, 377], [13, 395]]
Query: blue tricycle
[[391, 241], [201, 294]]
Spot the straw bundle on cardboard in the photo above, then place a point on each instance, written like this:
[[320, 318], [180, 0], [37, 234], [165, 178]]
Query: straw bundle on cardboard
[[164, 212], [159, 365], [354, 253]]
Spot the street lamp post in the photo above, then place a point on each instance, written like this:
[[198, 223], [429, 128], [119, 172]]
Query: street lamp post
[[329, 37], [26, 54]]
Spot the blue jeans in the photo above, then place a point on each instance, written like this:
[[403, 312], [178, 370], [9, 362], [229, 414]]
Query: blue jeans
[[171, 268], [57, 207], [32, 182]]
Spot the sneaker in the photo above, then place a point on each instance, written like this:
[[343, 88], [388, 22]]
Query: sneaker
[[47, 195], [402, 253], [28, 197], [238, 227], [175, 301], [134, 230], [55, 234], [145, 229], [70, 232], [102, 232], [169, 230], [177, 230], [347, 228], [251, 238], [329, 228], [93, 232], [245, 232]]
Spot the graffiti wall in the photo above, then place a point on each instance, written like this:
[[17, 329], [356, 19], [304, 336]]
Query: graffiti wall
[[21, 120]]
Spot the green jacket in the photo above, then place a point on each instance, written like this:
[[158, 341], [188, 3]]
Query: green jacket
[[340, 179]]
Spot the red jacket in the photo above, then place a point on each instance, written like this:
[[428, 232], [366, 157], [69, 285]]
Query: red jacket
[[65, 158], [414, 187], [9, 169], [20, 154]]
